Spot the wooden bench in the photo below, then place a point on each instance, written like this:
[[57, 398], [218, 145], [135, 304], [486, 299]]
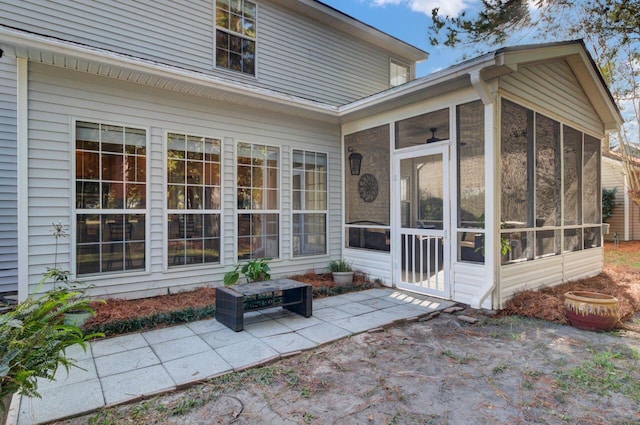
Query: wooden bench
[[232, 302]]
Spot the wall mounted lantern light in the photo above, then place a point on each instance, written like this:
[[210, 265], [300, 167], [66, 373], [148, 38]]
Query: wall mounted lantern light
[[355, 160]]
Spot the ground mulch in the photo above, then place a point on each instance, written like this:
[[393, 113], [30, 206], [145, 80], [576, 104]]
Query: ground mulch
[[115, 309], [622, 282]]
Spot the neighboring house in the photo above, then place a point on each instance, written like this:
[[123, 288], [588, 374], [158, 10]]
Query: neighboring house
[[176, 139], [625, 220]]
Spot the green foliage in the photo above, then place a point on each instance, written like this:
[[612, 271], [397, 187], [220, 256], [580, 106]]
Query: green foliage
[[608, 202], [33, 340], [256, 270], [136, 324], [340, 265]]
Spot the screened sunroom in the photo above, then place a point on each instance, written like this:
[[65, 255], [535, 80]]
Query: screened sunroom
[[481, 180]]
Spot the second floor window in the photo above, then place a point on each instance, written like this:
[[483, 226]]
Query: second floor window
[[399, 73], [236, 35]]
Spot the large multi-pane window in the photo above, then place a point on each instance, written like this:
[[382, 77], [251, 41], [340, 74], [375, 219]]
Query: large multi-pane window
[[193, 200], [542, 160], [110, 198], [258, 201], [236, 35], [309, 174]]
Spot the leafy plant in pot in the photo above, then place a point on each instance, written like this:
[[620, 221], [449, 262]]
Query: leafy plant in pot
[[254, 271], [341, 271]]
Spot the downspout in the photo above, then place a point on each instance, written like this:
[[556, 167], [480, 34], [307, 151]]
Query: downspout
[[491, 224]]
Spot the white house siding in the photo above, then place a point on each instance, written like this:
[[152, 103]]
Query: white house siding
[[613, 177], [56, 96], [532, 275], [295, 55], [377, 265], [8, 177], [553, 88], [467, 279]]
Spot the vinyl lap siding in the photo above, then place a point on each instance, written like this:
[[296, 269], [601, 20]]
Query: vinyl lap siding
[[8, 177], [613, 177], [551, 271], [295, 55], [553, 87], [57, 96]]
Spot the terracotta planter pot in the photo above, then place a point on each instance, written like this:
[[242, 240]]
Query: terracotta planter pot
[[591, 311]]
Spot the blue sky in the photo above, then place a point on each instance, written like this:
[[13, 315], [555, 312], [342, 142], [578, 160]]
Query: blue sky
[[407, 20]]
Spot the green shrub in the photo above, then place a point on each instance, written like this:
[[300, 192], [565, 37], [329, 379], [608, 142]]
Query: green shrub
[[608, 202], [34, 339], [340, 265]]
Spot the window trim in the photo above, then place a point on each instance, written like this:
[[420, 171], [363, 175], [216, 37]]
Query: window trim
[[165, 208], [325, 211], [73, 225], [400, 63], [237, 211], [232, 72]]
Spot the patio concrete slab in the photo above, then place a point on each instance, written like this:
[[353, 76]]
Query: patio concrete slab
[[296, 322], [125, 361], [377, 303], [330, 314], [124, 368], [289, 343], [197, 367], [118, 344], [60, 402], [205, 326], [266, 328], [224, 337], [323, 333], [167, 334], [85, 371], [78, 353], [247, 353], [174, 349], [355, 308], [133, 384]]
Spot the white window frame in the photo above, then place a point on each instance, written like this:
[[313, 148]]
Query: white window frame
[[236, 34], [250, 211], [393, 65], [101, 211], [304, 211], [167, 211]]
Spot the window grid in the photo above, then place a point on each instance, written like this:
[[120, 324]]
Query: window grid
[[110, 198], [309, 176], [258, 201], [236, 35], [193, 199]]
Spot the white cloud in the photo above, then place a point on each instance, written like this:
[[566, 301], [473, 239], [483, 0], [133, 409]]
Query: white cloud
[[446, 7]]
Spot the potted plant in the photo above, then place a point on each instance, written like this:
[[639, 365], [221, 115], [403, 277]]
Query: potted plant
[[256, 270], [341, 271]]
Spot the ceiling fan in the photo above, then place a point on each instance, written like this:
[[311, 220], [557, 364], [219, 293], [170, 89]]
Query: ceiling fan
[[433, 137]]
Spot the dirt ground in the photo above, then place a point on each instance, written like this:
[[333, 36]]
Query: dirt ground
[[502, 370]]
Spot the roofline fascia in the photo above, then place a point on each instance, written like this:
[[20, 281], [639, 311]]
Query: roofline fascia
[[474, 65], [22, 39]]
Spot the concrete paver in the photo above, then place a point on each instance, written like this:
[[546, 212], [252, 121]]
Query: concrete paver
[[124, 368]]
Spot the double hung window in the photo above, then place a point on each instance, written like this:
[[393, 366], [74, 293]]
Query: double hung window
[[236, 35], [309, 203], [193, 199], [110, 198], [258, 201]]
